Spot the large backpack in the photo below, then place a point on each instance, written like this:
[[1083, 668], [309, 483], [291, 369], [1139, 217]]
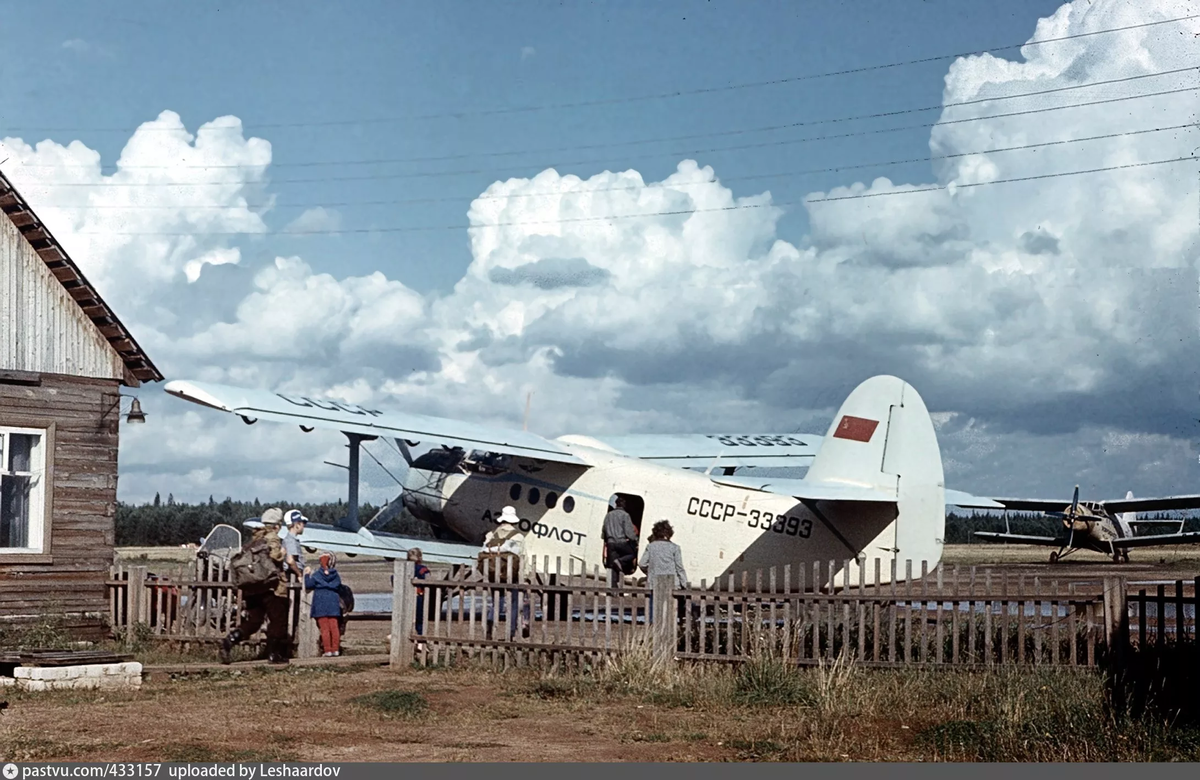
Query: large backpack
[[252, 569], [346, 598]]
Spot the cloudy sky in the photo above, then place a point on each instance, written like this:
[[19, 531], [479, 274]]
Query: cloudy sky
[[667, 217]]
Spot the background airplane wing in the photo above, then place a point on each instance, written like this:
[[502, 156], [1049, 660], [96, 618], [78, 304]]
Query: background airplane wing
[[1049, 541], [1152, 504], [352, 418], [735, 450], [1033, 504], [318, 536], [1155, 540]]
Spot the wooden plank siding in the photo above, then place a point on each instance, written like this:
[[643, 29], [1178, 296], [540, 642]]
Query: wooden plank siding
[[42, 328], [69, 579]]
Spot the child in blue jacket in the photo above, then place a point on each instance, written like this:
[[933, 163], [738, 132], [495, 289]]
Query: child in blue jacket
[[326, 605]]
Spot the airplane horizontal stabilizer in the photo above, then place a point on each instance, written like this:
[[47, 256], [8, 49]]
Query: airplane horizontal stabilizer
[[318, 536], [1049, 541], [353, 418], [1155, 540]]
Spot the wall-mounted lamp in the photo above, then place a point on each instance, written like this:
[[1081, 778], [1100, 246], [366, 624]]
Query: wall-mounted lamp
[[136, 415]]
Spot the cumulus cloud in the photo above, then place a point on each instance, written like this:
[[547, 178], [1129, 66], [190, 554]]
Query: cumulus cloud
[[1049, 325], [527, 52], [315, 220]]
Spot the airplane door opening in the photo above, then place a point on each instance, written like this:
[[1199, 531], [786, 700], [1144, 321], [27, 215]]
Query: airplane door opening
[[634, 505]]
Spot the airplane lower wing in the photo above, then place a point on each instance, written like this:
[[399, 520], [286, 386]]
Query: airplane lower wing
[[722, 450], [252, 405], [1049, 541], [1155, 540], [318, 536]]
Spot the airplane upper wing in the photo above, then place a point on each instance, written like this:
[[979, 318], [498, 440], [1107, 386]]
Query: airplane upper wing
[[352, 418], [733, 450], [318, 536], [1152, 504], [1049, 541], [1155, 540]]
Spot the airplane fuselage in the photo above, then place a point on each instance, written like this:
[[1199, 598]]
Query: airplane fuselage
[[721, 529]]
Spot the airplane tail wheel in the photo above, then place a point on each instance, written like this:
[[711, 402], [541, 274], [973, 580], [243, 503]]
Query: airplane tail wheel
[[1053, 557]]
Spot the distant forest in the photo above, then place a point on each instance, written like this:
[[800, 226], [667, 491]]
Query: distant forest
[[168, 523]]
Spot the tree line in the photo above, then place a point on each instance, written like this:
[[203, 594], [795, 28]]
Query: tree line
[[161, 523], [167, 523]]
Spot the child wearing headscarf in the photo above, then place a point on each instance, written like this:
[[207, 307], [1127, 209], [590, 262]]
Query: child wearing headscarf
[[326, 604]]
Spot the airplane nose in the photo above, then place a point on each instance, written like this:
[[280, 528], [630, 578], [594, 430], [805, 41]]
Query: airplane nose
[[422, 497]]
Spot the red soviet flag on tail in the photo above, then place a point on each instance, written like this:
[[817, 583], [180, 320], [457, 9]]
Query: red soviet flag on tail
[[855, 428]]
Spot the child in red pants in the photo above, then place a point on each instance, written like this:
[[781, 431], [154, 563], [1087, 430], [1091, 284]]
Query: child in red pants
[[326, 606]]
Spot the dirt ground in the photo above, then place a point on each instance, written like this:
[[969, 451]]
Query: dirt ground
[[308, 714]]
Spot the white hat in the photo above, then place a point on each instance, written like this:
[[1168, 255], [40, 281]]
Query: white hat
[[253, 522], [293, 516], [508, 515], [272, 516]]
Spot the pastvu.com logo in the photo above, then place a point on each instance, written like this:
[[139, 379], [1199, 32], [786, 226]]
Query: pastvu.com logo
[[10, 771]]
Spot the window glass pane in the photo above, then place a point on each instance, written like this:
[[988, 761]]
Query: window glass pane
[[20, 449], [14, 511]]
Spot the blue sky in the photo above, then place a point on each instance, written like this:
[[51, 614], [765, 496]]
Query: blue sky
[[1050, 325], [100, 69]]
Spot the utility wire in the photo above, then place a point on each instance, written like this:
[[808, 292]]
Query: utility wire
[[664, 95], [651, 186], [615, 217], [709, 150], [664, 139]]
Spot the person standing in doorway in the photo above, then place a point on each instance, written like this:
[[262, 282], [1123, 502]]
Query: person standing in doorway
[[620, 542]]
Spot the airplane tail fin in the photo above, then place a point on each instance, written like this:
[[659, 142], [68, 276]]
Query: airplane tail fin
[[883, 439], [1127, 519]]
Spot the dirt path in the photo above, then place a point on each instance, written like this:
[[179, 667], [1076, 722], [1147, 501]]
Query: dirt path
[[307, 714]]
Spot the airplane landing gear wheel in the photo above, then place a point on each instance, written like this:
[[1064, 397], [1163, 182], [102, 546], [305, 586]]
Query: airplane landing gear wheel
[[1054, 557], [1116, 557]]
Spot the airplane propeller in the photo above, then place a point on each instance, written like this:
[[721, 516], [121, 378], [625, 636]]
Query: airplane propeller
[[1072, 515]]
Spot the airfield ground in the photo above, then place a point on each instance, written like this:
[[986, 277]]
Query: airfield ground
[[619, 711]]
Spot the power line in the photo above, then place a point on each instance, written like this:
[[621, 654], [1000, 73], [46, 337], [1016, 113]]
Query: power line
[[662, 95], [653, 185], [939, 187], [709, 150], [665, 139], [679, 212]]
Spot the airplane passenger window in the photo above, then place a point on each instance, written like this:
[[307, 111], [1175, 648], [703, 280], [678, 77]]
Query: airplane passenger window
[[534, 495], [568, 504], [551, 499], [514, 492]]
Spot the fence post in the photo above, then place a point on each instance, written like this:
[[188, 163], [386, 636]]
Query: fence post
[[136, 601], [404, 609], [306, 627], [1116, 637], [663, 636]]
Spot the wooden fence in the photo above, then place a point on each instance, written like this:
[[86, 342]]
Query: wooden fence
[[956, 616]]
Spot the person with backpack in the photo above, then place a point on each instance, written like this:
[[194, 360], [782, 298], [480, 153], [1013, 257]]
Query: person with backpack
[[257, 571], [325, 584]]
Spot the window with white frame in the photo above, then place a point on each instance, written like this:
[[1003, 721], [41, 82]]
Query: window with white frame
[[22, 489]]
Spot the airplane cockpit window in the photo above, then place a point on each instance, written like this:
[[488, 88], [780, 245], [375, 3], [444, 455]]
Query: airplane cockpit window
[[481, 462], [441, 460]]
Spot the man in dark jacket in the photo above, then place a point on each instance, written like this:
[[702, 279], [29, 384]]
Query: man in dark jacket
[[620, 542], [325, 583], [270, 605]]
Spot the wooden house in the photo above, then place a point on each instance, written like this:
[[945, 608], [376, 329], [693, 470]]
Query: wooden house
[[64, 357]]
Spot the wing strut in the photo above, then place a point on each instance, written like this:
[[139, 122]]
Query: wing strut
[[356, 440]]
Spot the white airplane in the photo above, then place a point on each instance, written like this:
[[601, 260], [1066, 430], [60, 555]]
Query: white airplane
[[873, 490], [1107, 527]]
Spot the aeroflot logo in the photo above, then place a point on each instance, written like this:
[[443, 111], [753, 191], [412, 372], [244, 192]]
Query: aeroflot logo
[[855, 428]]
